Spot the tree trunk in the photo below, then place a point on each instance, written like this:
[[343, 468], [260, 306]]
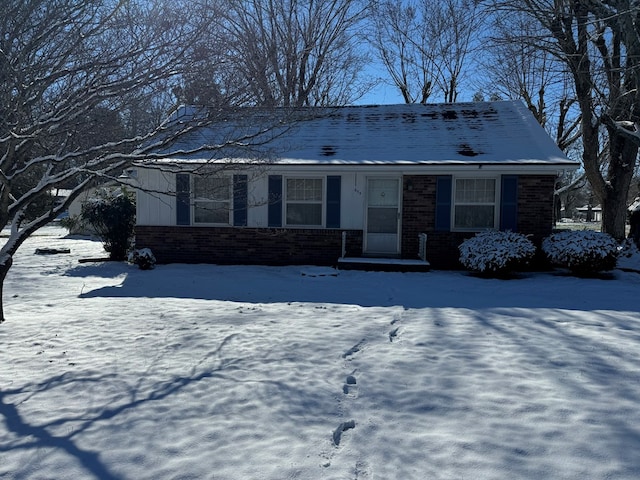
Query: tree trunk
[[614, 214], [4, 269], [623, 153]]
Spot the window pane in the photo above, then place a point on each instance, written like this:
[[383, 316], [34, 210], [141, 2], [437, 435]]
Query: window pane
[[474, 216], [304, 214], [475, 190], [382, 220], [211, 212], [304, 189], [486, 191], [383, 192], [462, 186], [212, 188]]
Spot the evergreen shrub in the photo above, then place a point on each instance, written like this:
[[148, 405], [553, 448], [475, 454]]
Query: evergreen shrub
[[112, 214], [496, 253], [583, 252]]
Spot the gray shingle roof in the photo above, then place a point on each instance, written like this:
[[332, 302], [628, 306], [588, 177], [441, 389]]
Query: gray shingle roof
[[436, 134]]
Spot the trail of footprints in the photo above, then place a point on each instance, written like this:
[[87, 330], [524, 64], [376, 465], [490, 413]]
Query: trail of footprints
[[350, 386], [349, 389]]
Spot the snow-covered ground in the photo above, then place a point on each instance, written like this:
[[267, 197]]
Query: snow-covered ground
[[209, 372]]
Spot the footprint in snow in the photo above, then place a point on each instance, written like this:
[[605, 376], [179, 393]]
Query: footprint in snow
[[343, 427], [393, 334], [355, 349], [350, 388]]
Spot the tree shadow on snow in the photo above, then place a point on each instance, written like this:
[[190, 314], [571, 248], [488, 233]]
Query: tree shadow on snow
[[439, 289], [64, 430]]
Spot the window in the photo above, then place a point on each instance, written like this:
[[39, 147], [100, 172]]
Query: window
[[211, 199], [474, 203], [303, 202]]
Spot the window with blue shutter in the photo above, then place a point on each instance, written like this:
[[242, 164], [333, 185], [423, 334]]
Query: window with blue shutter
[[275, 201], [509, 203], [333, 202], [183, 199], [443, 203], [240, 200]]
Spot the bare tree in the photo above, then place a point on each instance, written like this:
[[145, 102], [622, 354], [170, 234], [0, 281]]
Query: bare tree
[[514, 68], [404, 45], [294, 52], [69, 71], [599, 42], [425, 45]]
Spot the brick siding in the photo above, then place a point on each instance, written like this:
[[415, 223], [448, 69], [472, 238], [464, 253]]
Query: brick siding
[[229, 245], [535, 217]]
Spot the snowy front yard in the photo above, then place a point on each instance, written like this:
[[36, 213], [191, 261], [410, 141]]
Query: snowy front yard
[[194, 372]]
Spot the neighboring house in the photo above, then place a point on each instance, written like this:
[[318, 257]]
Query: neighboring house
[[361, 181], [76, 225], [590, 213]]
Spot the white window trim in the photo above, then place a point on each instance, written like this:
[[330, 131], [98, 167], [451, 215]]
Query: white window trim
[[495, 204], [322, 201], [195, 201]]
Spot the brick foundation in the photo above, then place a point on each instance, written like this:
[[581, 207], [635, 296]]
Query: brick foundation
[[264, 246]]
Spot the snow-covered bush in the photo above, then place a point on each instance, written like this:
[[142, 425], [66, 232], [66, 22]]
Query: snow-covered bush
[[144, 258], [496, 253], [583, 252]]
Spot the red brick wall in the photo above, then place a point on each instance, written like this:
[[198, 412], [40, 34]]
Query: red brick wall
[[228, 245], [535, 217], [535, 205]]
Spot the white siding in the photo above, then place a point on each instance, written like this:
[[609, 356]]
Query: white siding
[[153, 207], [258, 198], [156, 208], [352, 201]]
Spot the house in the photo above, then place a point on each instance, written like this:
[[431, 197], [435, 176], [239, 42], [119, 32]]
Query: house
[[590, 213], [351, 182]]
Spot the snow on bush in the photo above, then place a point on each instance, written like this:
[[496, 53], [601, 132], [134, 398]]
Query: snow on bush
[[496, 252], [144, 258], [628, 249], [583, 252]]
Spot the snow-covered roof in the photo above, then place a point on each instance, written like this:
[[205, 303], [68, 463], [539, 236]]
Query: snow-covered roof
[[437, 134]]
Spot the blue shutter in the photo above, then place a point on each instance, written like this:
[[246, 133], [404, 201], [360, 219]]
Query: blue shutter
[[333, 202], [183, 199], [240, 200], [275, 201], [509, 203], [443, 203]]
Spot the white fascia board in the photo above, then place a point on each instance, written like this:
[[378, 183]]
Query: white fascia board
[[440, 168], [425, 169]]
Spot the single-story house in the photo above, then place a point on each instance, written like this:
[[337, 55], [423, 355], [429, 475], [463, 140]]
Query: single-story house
[[590, 213], [352, 182]]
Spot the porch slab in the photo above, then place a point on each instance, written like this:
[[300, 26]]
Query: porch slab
[[383, 264]]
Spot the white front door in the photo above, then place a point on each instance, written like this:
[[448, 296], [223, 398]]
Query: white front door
[[383, 216]]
